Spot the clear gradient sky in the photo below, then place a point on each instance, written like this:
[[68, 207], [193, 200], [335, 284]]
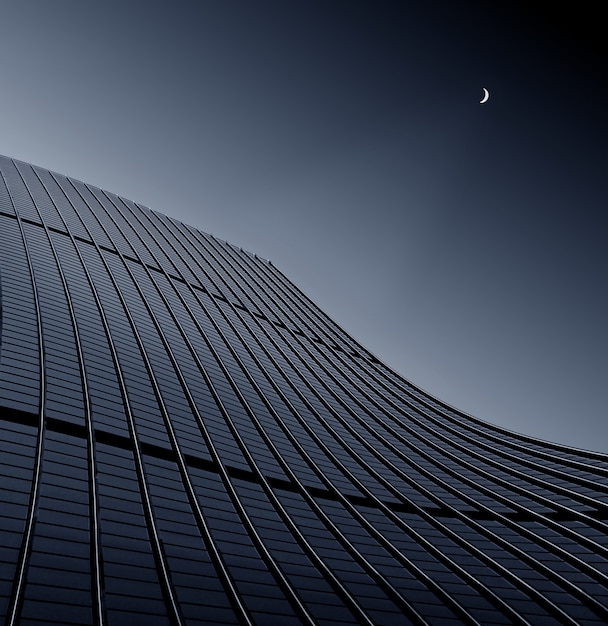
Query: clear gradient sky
[[465, 245]]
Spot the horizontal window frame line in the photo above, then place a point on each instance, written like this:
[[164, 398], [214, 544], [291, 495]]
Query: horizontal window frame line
[[114, 440], [217, 296]]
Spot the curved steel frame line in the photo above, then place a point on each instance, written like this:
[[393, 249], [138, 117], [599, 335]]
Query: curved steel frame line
[[583, 540], [96, 575], [597, 606], [401, 382], [562, 553], [532, 495], [587, 483], [388, 406], [442, 557], [234, 595], [16, 599], [215, 555], [155, 542], [401, 557], [535, 448], [543, 449], [593, 502], [242, 399], [514, 504], [404, 604], [351, 602], [489, 430], [382, 540]]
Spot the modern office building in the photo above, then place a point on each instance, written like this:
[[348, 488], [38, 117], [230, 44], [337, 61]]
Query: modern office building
[[187, 439]]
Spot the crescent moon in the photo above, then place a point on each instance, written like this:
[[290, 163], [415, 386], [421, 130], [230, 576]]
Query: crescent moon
[[486, 96]]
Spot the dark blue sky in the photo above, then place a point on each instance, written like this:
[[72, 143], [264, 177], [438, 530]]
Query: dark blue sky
[[464, 245]]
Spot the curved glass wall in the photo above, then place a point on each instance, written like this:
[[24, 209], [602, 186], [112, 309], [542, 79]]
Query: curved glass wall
[[187, 439]]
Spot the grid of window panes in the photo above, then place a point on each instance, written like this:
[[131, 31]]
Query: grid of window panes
[[187, 439]]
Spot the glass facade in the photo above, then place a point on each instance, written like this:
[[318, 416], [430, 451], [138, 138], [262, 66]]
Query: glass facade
[[187, 439]]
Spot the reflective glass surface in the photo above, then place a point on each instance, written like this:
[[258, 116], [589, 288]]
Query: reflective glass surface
[[188, 439]]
